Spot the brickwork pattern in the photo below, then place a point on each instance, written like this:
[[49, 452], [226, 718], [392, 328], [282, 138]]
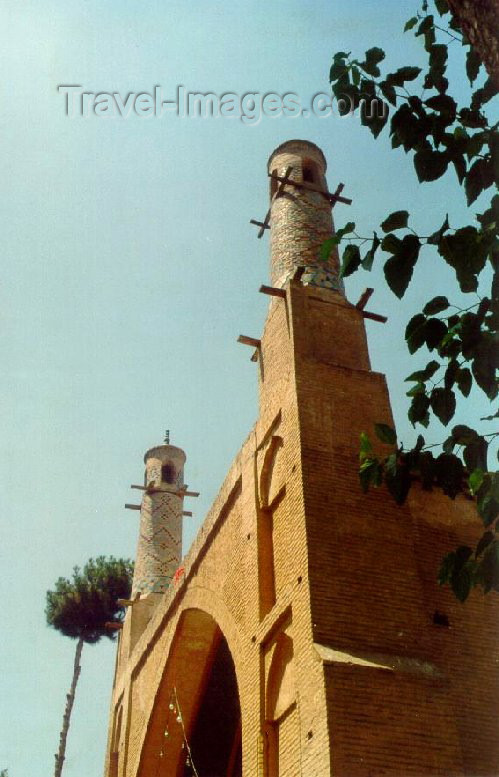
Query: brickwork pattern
[[301, 220], [159, 549]]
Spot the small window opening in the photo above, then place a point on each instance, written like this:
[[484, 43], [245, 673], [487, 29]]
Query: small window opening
[[168, 473], [310, 174], [440, 619]]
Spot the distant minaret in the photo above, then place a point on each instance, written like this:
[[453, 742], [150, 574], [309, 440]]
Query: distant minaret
[[301, 217], [159, 548]]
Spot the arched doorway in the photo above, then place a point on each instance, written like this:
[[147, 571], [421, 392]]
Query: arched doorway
[[215, 740], [195, 725]]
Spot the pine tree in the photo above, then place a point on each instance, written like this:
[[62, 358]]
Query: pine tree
[[80, 608]]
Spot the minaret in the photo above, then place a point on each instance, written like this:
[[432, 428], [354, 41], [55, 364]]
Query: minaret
[[159, 550], [300, 217]]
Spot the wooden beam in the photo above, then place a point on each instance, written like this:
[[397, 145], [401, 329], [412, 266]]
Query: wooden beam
[[172, 491], [113, 625], [363, 299], [254, 356], [333, 197], [272, 291], [374, 316], [260, 224], [132, 507], [186, 512], [126, 602], [245, 340], [265, 224], [141, 488]]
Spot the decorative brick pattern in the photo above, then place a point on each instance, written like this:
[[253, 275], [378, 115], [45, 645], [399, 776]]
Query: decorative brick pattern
[[159, 550], [301, 219]]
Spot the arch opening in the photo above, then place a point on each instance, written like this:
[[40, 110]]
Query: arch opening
[[310, 172], [196, 706], [215, 741]]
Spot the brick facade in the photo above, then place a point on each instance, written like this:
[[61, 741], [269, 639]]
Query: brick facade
[[300, 639]]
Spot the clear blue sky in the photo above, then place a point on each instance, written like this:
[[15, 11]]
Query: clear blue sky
[[130, 268]]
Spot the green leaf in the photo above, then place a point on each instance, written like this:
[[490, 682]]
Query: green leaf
[[474, 145], [367, 261], [418, 388], [449, 473], [443, 404], [473, 63], [388, 92], [462, 582], [427, 466], [451, 373], [373, 57], [435, 331], [399, 268], [418, 411], [385, 433], [341, 55], [398, 483], [437, 236], [338, 69], [475, 454], [391, 243], [472, 118], [406, 128], [425, 374], [326, 248], [411, 23], [415, 332], [425, 25], [402, 75], [488, 498], [328, 245], [446, 568], [351, 260], [483, 95], [349, 227], [396, 220], [475, 480], [464, 382], [370, 472], [442, 7], [479, 177], [490, 567], [438, 63], [485, 364], [429, 164], [436, 305], [443, 104], [463, 435], [365, 446], [466, 251]]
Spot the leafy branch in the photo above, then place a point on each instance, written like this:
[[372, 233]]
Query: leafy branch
[[425, 121]]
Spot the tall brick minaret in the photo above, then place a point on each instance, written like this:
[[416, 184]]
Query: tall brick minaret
[[301, 217], [159, 549]]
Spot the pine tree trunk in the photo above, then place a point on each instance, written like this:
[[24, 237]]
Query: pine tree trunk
[[59, 757]]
